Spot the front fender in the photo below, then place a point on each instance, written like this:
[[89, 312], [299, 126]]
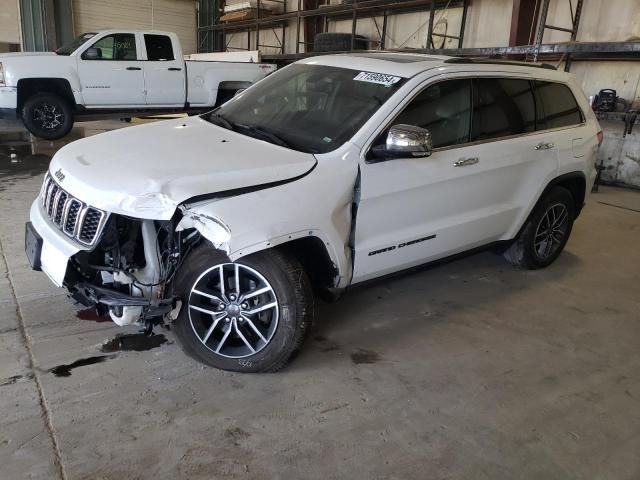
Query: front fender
[[221, 237]]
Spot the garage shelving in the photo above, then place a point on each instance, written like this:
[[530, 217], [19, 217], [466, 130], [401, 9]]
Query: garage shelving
[[211, 32]]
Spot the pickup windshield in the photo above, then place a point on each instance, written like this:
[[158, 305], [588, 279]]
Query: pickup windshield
[[310, 108], [73, 45]]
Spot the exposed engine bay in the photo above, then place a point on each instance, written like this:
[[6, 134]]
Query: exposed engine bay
[[129, 273]]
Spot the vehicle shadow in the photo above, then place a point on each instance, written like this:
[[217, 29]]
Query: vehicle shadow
[[379, 316]]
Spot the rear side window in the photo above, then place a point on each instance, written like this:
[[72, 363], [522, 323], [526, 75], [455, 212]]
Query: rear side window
[[502, 107], [159, 47], [444, 109], [556, 105]]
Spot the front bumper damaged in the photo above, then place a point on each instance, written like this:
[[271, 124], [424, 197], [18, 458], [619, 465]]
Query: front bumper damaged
[[90, 295]]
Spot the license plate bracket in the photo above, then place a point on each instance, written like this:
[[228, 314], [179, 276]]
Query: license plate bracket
[[33, 246]]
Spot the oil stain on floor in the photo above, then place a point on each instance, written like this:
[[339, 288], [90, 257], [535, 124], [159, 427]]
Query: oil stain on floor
[[65, 370], [133, 342], [137, 342]]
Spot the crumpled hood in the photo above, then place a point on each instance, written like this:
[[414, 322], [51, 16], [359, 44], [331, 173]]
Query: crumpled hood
[[147, 171]]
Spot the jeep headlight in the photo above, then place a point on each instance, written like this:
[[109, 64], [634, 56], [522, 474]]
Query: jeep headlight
[[1, 74]]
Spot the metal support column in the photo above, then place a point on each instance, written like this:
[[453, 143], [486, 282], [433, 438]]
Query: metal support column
[[542, 21], [383, 37], [463, 23], [574, 33], [432, 13], [354, 23]]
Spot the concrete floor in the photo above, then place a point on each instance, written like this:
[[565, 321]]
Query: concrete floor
[[469, 370]]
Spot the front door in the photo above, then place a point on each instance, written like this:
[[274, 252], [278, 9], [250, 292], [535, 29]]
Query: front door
[[115, 77], [164, 75], [468, 193]]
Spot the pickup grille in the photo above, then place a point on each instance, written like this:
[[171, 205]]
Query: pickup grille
[[76, 219]]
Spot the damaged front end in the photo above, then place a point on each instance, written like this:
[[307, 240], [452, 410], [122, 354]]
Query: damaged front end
[[129, 273]]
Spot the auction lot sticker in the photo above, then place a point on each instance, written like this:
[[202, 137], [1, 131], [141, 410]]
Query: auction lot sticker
[[379, 78]]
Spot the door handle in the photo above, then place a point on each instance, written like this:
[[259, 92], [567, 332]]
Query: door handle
[[134, 68], [174, 69], [544, 146], [465, 162]]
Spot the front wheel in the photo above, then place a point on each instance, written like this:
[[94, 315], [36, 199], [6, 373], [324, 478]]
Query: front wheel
[[47, 116], [246, 316], [546, 231]]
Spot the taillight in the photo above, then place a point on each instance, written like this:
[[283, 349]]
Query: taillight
[[1, 74], [600, 137]]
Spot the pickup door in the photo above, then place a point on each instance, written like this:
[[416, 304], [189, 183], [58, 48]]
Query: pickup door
[[115, 77], [164, 74]]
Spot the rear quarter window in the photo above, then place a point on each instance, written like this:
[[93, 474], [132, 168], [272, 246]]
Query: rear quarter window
[[555, 106]]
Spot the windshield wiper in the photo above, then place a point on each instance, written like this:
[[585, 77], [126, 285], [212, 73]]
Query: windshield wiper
[[225, 123], [265, 134]]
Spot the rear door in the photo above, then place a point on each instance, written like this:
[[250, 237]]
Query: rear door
[[115, 78], [164, 74]]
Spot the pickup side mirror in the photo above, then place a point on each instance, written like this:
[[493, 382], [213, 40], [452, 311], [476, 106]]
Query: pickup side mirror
[[92, 54], [405, 141]]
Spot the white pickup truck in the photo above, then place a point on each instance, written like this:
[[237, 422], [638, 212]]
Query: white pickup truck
[[114, 71]]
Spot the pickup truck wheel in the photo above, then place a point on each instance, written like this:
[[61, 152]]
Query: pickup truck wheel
[[47, 116], [545, 232], [246, 316]]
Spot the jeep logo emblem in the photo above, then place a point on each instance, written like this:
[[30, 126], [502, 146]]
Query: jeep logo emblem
[[59, 175]]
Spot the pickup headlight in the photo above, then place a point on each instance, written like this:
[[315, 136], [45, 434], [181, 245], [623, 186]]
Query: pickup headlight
[[1, 74]]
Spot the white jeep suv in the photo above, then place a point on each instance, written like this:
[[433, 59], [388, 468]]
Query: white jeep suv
[[332, 171]]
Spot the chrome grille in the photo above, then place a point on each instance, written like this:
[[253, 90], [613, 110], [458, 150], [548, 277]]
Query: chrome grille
[[76, 219]]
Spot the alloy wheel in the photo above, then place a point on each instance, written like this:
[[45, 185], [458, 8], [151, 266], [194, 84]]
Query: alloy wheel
[[48, 116], [551, 231], [233, 310]]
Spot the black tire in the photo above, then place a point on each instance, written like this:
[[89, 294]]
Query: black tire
[[47, 116], [529, 248], [338, 42], [295, 310]]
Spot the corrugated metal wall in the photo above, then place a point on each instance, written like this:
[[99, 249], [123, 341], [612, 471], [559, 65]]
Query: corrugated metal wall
[[177, 16]]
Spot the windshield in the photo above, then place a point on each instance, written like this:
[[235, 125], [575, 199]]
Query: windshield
[[73, 45], [310, 108]]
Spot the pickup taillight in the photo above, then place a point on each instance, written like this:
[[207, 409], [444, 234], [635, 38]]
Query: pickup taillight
[[600, 137], [1, 74]]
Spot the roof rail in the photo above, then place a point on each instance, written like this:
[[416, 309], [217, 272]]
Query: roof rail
[[497, 61]]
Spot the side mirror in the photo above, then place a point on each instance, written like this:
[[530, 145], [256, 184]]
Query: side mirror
[[92, 54], [405, 141], [239, 91]]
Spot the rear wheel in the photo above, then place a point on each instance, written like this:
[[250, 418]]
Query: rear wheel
[[47, 116], [247, 316], [545, 232]]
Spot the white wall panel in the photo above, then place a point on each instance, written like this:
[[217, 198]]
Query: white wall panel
[[177, 16], [9, 21]]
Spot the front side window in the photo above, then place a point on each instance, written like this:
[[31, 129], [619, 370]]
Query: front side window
[[502, 107], [311, 108], [557, 107], [444, 109], [159, 48], [120, 46]]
